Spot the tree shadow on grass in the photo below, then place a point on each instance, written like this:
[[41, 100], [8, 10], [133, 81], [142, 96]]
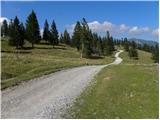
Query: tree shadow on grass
[[96, 57]]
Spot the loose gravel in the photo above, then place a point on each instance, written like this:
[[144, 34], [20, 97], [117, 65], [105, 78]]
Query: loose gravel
[[48, 96]]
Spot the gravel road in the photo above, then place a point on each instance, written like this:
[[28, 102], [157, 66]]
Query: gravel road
[[50, 95]]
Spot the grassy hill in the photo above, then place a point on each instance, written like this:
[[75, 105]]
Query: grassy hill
[[127, 91], [143, 58], [22, 65]]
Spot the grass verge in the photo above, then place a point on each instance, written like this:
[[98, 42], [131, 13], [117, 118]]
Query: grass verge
[[119, 92]]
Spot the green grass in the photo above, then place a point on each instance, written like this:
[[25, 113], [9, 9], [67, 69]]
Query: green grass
[[143, 58], [119, 92], [22, 65]]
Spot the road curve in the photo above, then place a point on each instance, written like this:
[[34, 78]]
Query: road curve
[[50, 95]]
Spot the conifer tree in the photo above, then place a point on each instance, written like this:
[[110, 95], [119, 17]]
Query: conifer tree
[[32, 29], [66, 38], [76, 38], [4, 28], [133, 53], [126, 44], [61, 39], [155, 54], [54, 34], [16, 33], [108, 44], [86, 37], [11, 33], [22, 35], [46, 31]]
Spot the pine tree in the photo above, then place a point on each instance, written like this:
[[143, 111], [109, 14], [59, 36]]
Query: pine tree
[[4, 29], [108, 44], [16, 33], [86, 37], [66, 38], [54, 34], [22, 35], [46, 31], [133, 53], [155, 54], [76, 38], [32, 29], [11, 33], [61, 39], [126, 44]]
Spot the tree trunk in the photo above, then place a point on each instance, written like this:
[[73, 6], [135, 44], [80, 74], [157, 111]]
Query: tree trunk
[[82, 50], [32, 45]]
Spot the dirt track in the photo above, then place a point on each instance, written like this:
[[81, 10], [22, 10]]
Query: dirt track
[[48, 96]]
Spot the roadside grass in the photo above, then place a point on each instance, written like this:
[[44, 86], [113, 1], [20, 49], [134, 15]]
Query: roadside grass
[[126, 92], [21, 65], [121, 91]]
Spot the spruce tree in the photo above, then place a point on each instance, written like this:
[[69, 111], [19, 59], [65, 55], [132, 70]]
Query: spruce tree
[[4, 29], [32, 29], [126, 44], [16, 33], [11, 33], [54, 34], [108, 44], [66, 38], [86, 37], [76, 38], [61, 39], [46, 31], [155, 54], [133, 53], [22, 35]]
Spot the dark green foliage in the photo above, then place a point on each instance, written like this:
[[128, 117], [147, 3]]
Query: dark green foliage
[[133, 53], [86, 38], [4, 29], [22, 35], [76, 38], [46, 31], [11, 33], [61, 39], [108, 44], [155, 54], [32, 29], [126, 44], [146, 47], [66, 38], [16, 33], [97, 44], [54, 34]]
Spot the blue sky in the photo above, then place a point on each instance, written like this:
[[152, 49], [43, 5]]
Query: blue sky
[[122, 19]]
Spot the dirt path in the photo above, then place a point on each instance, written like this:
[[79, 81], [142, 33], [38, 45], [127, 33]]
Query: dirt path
[[48, 96]]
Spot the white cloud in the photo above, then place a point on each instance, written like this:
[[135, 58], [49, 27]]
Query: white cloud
[[116, 30], [123, 27], [137, 30]]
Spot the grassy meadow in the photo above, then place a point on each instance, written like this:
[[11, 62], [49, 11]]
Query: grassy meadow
[[21, 65], [121, 91]]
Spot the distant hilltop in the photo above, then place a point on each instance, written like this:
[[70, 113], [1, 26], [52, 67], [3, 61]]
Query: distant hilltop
[[142, 41]]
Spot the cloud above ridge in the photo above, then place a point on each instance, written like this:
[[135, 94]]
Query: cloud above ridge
[[98, 27]]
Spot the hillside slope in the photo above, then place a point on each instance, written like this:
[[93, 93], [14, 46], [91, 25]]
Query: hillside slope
[[129, 90], [20, 65]]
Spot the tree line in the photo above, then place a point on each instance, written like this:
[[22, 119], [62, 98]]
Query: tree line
[[131, 47], [88, 43]]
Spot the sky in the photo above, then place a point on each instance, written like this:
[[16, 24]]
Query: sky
[[123, 19]]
